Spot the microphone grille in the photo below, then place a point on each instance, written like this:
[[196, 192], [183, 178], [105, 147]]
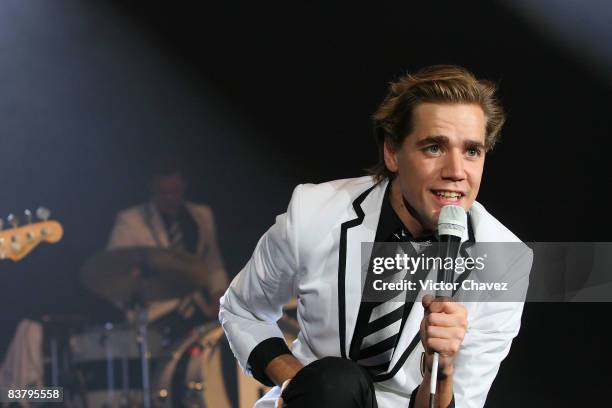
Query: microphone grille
[[452, 221]]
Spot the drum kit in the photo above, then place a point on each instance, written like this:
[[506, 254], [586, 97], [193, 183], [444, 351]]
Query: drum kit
[[134, 363]]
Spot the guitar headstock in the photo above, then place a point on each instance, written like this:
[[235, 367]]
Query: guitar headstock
[[18, 241]]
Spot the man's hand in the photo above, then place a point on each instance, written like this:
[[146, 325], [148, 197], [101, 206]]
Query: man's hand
[[279, 401], [442, 330]]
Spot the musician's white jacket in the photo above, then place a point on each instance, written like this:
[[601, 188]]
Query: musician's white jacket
[[312, 252], [142, 225]]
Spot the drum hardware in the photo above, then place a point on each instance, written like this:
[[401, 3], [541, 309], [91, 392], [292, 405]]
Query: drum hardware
[[203, 381], [205, 337], [110, 370], [57, 362], [108, 360], [191, 371], [131, 278], [196, 370], [144, 355]]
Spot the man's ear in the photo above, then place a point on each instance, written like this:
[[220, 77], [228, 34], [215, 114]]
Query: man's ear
[[390, 156]]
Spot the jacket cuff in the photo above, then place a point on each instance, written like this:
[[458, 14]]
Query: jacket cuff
[[261, 356], [413, 399]]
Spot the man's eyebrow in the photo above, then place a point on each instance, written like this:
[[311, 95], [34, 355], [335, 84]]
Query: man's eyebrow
[[474, 144], [443, 140], [432, 140]]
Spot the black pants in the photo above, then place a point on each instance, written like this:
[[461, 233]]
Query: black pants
[[331, 382]]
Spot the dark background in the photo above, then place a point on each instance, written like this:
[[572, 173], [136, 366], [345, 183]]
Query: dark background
[[261, 97]]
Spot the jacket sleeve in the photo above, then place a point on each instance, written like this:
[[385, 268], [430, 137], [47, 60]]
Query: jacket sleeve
[[488, 341], [253, 302]]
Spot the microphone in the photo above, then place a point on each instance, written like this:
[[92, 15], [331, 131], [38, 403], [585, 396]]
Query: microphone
[[451, 227]]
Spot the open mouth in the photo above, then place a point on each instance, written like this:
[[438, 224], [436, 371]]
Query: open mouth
[[448, 196]]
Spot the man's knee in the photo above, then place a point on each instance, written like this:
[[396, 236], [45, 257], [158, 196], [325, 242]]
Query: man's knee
[[334, 372], [331, 380]]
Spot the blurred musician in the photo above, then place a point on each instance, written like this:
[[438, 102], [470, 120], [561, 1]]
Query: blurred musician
[[169, 221]]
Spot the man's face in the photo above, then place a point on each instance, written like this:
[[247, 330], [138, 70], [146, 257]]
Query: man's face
[[168, 192], [441, 161]]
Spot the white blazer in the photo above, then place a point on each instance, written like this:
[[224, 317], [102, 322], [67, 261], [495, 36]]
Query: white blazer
[[313, 251]]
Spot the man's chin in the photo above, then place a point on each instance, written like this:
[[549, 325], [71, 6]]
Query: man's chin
[[430, 226]]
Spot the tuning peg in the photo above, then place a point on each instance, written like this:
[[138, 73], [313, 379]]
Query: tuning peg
[[28, 216], [13, 220], [15, 246], [43, 213]]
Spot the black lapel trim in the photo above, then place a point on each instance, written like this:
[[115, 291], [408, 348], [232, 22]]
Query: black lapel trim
[[415, 340], [400, 362], [342, 266]]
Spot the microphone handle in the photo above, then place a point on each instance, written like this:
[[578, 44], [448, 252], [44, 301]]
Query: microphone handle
[[451, 250]]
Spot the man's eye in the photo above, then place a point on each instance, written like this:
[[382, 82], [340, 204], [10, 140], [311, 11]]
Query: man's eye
[[473, 152], [433, 149]]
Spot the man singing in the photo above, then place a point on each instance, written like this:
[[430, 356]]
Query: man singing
[[434, 129]]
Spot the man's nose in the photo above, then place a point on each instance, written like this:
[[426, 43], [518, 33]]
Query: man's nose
[[453, 166]]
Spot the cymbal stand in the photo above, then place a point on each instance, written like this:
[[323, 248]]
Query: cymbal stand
[[142, 320], [110, 369]]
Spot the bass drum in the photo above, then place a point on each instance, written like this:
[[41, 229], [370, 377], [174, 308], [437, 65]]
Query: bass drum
[[202, 372]]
